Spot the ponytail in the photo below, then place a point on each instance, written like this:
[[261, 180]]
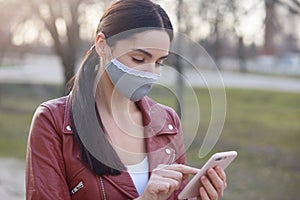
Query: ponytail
[[96, 150]]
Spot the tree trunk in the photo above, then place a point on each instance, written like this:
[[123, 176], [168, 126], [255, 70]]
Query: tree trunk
[[241, 54], [179, 83], [268, 48]]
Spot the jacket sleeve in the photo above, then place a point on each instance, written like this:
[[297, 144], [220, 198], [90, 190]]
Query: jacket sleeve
[[45, 169]]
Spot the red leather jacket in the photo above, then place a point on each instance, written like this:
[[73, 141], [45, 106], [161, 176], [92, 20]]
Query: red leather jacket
[[55, 170]]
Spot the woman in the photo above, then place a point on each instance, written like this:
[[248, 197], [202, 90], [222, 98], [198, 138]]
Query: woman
[[106, 139]]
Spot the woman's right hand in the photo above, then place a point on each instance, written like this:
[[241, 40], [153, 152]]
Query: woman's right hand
[[164, 180]]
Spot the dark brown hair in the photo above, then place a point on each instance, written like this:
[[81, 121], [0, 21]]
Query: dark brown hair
[[133, 15], [123, 15]]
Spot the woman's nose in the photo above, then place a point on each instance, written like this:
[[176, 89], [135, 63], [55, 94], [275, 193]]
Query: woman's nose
[[155, 68]]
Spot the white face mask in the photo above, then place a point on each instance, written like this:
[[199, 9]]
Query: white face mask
[[131, 83]]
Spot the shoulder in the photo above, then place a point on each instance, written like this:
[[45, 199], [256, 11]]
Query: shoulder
[[52, 113], [53, 106]]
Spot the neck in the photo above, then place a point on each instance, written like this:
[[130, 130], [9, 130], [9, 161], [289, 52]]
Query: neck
[[108, 99]]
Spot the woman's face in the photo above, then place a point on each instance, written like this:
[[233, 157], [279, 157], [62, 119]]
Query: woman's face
[[145, 51]]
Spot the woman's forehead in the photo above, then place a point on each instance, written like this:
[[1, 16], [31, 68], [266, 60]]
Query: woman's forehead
[[153, 40]]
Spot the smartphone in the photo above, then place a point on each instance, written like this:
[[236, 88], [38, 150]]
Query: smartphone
[[222, 159]]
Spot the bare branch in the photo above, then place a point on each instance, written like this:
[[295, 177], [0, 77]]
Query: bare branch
[[297, 3], [291, 8]]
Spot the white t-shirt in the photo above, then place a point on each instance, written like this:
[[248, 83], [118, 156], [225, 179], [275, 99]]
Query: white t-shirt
[[139, 174]]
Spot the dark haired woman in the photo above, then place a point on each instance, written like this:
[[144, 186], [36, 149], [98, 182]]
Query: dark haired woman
[[106, 139]]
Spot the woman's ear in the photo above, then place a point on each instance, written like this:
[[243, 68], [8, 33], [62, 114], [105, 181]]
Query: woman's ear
[[100, 43]]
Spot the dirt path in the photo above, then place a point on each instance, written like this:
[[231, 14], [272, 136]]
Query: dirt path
[[12, 179]]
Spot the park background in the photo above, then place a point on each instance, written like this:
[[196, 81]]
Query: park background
[[255, 45]]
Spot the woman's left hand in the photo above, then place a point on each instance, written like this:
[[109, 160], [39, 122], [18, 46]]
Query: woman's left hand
[[213, 184]]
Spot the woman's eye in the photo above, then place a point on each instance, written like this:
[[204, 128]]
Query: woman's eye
[[159, 63], [137, 60]]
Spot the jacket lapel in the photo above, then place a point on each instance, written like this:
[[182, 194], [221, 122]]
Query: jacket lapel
[[158, 125]]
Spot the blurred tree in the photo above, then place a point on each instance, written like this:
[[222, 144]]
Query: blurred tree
[[56, 13], [215, 12], [241, 54], [182, 25], [292, 5], [7, 20], [270, 27], [226, 19], [62, 19], [178, 63]]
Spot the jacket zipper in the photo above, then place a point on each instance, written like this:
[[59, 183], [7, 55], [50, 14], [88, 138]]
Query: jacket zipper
[[77, 187], [102, 188]]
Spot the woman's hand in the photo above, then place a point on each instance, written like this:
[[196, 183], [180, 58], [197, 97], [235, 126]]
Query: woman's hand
[[213, 184], [164, 180]]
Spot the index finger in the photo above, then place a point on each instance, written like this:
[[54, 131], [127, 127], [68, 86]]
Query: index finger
[[184, 169]]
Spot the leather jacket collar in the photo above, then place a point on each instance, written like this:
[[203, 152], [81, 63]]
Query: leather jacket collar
[[152, 113]]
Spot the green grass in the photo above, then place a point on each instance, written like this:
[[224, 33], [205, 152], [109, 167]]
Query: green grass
[[17, 105], [263, 126]]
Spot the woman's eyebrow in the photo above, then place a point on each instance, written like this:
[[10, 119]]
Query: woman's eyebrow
[[148, 53], [144, 52]]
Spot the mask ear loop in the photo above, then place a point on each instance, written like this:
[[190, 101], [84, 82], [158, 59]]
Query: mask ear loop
[[111, 54], [92, 47]]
